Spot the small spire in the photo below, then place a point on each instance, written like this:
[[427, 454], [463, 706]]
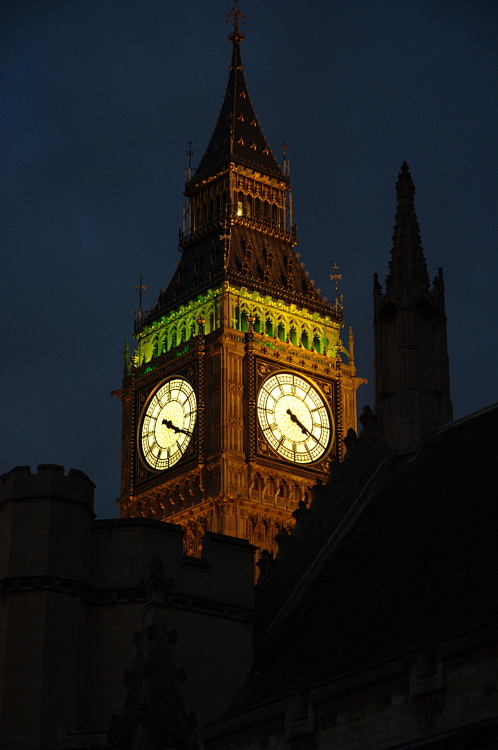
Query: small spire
[[336, 277], [140, 288], [408, 265], [235, 36], [405, 187], [284, 148], [188, 170]]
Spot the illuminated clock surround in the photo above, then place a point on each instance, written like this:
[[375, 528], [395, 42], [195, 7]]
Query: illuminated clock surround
[[294, 418], [167, 423]]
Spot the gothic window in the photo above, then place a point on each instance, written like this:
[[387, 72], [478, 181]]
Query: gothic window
[[293, 336], [305, 339], [317, 343], [281, 332], [282, 493], [269, 327], [268, 256], [271, 488], [247, 248]]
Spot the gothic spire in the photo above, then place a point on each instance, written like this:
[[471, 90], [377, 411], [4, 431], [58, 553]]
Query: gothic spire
[[408, 264], [412, 386], [238, 226], [237, 135]]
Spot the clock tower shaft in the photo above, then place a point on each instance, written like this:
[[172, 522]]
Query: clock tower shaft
[[238, 309]]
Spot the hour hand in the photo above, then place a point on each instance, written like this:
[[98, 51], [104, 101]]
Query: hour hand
[[296, 421]]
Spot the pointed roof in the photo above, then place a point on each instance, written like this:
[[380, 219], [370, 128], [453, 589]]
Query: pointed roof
[[237, 135], [408, 262], [253, 253], [248, 259]]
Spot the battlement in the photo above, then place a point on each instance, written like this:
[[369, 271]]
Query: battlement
[[49, 481]]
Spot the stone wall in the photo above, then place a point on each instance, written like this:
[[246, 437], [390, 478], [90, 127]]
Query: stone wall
[[74, 591]]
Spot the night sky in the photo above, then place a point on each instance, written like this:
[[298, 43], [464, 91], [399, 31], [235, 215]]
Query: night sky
[[98, 102]]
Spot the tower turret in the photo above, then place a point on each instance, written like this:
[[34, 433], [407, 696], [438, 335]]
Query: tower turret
[[412, 387]]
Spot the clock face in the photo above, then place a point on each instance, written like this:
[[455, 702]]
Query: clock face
[[167, 424], [294, 418]]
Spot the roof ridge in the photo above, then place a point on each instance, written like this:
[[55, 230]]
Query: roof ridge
[[473, 414]]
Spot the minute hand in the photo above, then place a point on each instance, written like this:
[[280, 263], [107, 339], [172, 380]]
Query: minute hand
[[304, 429], [169, 424]]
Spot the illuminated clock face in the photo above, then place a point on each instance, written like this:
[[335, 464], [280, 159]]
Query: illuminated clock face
[[167, 424], [294, 418]]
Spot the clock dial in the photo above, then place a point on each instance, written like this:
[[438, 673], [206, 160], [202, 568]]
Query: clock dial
[[167, 424], [294, 418]]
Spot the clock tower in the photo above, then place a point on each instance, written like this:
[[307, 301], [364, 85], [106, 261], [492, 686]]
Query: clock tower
[[241, 391]]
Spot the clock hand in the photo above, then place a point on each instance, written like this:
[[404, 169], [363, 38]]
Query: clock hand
[[296, 421], [304, 429], [169, 424]]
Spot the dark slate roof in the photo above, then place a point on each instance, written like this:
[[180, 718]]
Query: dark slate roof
[[256, 261], [418, 566], [204, 264], [237, 135]]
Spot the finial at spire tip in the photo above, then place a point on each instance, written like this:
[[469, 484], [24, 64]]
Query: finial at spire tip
[[235, 36], [404, 186]]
